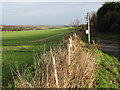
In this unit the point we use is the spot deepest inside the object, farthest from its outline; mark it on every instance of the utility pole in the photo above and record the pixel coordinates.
(88, 16)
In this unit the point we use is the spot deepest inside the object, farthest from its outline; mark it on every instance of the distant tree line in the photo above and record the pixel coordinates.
(75, 24)
(11, 28)
(25, 27)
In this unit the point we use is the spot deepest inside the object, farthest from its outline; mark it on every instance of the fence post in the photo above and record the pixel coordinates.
(55, 71)
(47, 76)
(69, 46)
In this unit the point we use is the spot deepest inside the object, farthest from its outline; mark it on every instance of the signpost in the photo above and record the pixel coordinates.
(88, 31)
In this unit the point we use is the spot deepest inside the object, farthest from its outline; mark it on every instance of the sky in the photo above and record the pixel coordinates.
(56, 0)
(46, 13)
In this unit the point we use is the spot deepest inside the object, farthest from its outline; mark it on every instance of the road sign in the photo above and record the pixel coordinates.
(86, 31)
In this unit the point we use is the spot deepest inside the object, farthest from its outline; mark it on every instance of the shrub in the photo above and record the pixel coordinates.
(108, 18)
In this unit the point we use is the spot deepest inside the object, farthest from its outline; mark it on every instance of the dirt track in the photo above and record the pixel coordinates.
(109, 46)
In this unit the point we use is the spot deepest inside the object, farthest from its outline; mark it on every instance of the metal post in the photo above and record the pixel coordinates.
(88, 27)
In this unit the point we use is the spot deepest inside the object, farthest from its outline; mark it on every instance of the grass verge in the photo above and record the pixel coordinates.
(113, 37)
(108, 70)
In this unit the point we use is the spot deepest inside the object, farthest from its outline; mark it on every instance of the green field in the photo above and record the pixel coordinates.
(18, 47)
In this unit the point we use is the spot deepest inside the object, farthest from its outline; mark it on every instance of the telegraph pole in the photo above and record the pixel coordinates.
(88, 16)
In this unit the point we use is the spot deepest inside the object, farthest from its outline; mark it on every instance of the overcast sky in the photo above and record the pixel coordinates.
(46, 13)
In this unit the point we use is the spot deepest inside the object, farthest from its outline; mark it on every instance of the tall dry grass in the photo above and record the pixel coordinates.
(68, 65)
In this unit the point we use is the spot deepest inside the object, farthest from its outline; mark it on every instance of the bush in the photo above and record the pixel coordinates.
(108, 20)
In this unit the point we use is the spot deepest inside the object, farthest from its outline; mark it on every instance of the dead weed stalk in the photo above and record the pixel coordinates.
(68, 65)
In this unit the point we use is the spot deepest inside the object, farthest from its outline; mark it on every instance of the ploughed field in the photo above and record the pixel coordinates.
(18, 47)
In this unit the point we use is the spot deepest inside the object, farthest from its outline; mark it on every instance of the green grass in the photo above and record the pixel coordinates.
(22, 37)
(13, 42)
(114, 37)
(108, 66)
(108, 70)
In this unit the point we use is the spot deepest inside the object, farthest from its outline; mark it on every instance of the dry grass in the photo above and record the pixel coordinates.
(23, 47)
(74, 67)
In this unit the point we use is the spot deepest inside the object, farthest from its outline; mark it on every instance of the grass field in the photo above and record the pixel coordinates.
(105, 73)
(18, 48)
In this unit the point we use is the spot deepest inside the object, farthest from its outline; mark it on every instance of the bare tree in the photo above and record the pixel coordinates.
(76, 24)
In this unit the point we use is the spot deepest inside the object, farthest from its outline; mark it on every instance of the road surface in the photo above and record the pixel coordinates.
(109, 46)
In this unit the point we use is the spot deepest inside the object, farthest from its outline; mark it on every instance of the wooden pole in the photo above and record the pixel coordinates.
(88, 27)
(55, 71)
(69, 46)
(47, 76)
(68, 54)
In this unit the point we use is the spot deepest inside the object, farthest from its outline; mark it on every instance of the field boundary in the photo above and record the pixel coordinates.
(51, 37)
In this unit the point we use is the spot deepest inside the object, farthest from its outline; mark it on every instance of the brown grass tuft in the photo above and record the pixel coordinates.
(76, 73)
(23, 47)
